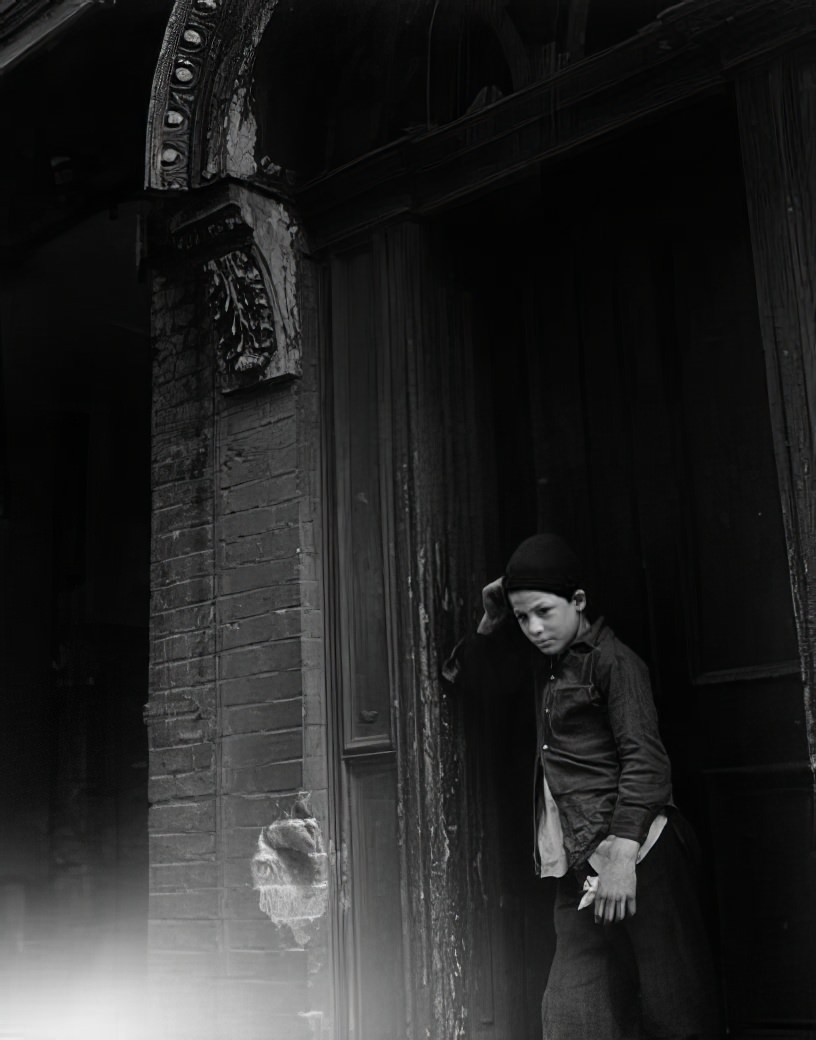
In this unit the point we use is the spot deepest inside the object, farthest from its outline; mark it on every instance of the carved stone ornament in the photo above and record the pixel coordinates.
(213, 233)
(243, 319)
(207, 51)
(252, 344)
(189, 41)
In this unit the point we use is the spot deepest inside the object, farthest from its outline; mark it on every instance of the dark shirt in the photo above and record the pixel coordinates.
(598, 739)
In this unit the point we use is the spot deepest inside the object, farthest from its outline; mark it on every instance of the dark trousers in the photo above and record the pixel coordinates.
(650, 976)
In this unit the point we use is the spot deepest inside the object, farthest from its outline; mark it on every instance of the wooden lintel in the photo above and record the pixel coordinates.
(32, 25)
(694, 49)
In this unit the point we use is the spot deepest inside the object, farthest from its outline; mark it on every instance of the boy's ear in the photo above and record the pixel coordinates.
(579, 599)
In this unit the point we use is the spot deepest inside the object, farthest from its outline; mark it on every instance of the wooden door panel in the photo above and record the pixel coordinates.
(362, 606)
(369, 911)
(752, 723)
(763, 887)
(406, 479)
(618, 589)
(731, 698)
(742, 605)
(378, 1013)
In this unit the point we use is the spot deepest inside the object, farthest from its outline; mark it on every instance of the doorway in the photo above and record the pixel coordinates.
(585, 354)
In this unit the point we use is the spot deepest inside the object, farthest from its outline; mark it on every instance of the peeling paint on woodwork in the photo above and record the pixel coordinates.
(242, 136)
(204, 74)
(449, 1013)
(278, 238)
(314, 1022)
(290, 871)
(779, 164)
(240, 157)
(345, 880)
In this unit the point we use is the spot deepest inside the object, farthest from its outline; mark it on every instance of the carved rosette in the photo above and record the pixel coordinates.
(245, 304)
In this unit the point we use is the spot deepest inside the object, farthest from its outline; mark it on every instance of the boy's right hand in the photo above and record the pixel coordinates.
(496, 609)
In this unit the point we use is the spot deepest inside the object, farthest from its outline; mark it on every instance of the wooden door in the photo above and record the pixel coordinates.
(370, 983)
(432, 922)
(652, 450)
(707, 536)
(609, 385)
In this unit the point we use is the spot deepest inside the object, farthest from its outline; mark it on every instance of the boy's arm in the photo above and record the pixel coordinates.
(493, 650)
(644, 786)
(496, 608)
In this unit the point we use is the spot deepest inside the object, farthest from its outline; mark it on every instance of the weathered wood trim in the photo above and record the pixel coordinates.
(415, 768)
(750, 673)
(439, 516)
(388, 462)
(575, 35)
(694, 49)
(205, 66)
(338, 863)
(31, 25)
(757, 773)
(777, 115)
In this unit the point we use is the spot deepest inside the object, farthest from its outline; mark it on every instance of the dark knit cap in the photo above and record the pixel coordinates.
(545, 563)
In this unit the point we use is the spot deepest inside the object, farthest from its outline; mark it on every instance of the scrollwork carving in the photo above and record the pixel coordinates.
(243, 318)
(254, 343)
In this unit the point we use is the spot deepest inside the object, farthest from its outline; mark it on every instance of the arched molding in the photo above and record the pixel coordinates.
(199, 102)
(200, 132)
(201, 123)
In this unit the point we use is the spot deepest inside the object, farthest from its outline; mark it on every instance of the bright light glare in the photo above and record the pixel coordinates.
(78, 995)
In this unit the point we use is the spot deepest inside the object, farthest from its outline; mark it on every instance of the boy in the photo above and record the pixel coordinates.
(636, 963)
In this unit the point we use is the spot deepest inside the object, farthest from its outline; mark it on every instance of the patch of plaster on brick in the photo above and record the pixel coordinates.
(290, 872)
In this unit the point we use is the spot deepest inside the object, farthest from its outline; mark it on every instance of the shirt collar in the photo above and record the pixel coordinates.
(589, 640)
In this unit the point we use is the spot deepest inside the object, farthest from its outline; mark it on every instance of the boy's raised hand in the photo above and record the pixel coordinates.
(495, 605)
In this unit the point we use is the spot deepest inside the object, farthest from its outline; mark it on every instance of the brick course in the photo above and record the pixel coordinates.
(235, 713)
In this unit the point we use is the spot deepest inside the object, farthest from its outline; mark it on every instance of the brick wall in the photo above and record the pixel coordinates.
(235, 716)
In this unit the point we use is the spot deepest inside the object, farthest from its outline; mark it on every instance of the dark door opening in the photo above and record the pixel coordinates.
(620, 351)
(586, 346)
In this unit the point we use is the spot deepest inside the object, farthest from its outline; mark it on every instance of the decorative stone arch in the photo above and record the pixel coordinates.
(201, 124)
(208, 43)
(202, 132)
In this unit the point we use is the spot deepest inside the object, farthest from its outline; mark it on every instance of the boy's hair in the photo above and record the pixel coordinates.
(544, 563)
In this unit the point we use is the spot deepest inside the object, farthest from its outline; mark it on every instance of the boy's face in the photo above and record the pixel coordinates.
(550, 622)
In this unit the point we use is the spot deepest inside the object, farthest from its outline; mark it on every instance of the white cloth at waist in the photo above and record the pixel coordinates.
(550, 836)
